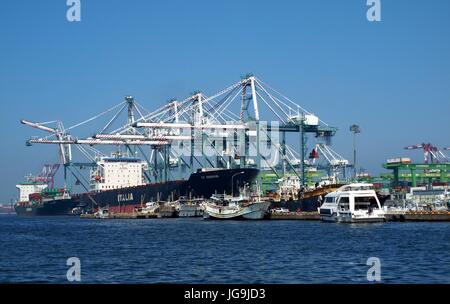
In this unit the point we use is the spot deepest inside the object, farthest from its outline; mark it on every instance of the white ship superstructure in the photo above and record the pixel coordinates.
(117, 172)
(29, 187)
(288, 187)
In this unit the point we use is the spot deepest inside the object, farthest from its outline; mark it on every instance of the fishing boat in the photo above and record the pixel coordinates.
(293, 196)
(242, 207)
(353, 203)
(190, 207)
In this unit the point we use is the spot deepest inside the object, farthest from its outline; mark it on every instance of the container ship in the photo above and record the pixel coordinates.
(117, 183)
(36, 198)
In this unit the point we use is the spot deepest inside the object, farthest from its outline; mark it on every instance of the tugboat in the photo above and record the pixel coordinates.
(353, 203)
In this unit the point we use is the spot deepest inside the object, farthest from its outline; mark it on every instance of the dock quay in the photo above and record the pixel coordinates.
(391, 216)
(167, 212)
(134, 215)
(305, 216)
(418, 216)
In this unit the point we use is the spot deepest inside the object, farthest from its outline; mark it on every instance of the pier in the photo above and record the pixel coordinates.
(393, 216)
(305, 216)
(409, 216)
(133, 215)
(419, 216)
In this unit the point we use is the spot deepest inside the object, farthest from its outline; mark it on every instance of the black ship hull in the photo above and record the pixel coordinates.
(303, 205)
(201, 184)
(48, 208)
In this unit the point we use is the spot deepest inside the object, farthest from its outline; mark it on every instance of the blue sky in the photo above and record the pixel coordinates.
(392, 77)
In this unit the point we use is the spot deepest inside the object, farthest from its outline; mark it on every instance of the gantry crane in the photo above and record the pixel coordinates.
(336, 164)
(210, 126)
(47, 174)
(431, 153)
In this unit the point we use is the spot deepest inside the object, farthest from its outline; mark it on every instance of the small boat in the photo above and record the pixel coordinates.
(295, 197)
(167, 210)
(190, 207)
(280, 210)
(150, 208)
(102, 214)
(235, 208)
(353, 203)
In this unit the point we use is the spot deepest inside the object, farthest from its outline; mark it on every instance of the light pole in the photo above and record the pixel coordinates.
(355, 129)
(242, 172)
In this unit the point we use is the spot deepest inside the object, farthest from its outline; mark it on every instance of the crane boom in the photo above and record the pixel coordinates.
(431, 153)
(414, 147)
(64, 151)
(159, 125)
(97, 142)
(332, 157)
(38, 126)
(141, 137)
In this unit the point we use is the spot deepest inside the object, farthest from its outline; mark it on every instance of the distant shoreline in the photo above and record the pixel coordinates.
(6, 209)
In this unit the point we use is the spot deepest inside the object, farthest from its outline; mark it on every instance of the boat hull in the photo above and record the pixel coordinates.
(306, 205)
(362, 220)
(254, 211)
(327, 215)
(205, 184)
(308, 201)
(352, 218)
(190, 211)
(48, 208)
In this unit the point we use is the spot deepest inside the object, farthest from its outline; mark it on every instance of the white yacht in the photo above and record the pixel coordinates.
(353, 203)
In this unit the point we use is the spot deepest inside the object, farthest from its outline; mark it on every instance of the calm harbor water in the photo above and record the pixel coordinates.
(35, 249)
